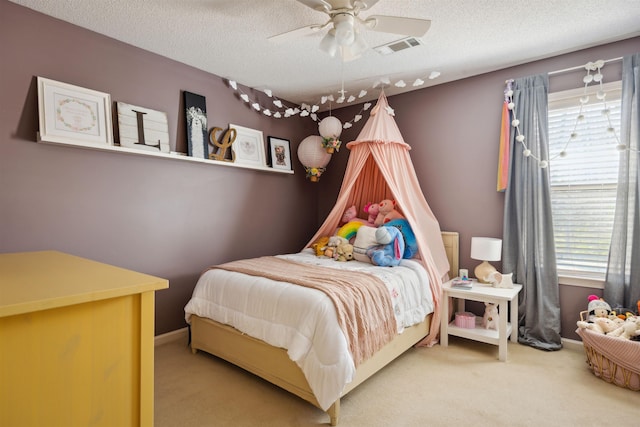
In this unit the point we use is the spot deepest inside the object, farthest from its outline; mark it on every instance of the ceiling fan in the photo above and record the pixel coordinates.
(345, 26)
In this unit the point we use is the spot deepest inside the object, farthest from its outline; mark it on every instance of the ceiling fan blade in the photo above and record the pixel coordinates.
(297, 33)
(320, 5)
(398, 25)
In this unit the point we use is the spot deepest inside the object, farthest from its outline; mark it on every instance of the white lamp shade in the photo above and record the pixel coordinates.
(312, 154)
(330, 127)
(486, 248)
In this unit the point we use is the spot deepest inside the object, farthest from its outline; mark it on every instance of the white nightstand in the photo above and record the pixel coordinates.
(483, 293)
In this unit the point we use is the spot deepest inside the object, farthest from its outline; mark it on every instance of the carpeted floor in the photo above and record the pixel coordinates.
(462, 384)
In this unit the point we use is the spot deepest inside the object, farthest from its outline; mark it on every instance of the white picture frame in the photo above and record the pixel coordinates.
(71, 114)
(248, 146)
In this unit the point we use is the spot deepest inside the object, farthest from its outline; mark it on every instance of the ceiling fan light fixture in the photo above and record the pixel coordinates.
(344, 28)
(328, 44)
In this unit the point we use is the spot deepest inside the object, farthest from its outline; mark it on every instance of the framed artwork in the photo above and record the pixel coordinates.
(279, 153)
(72, 114)
(195, 107)
(142, 128)
(248, 146)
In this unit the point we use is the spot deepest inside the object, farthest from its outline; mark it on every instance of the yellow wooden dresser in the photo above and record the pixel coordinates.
(76, 342)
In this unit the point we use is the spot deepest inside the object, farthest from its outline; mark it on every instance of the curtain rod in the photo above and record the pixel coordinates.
(581, 67)
(567, 70)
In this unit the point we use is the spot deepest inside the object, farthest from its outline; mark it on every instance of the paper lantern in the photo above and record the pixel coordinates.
(330, 129)
(313, 156)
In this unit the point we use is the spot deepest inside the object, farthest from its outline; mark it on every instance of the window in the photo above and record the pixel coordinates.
(583, 183)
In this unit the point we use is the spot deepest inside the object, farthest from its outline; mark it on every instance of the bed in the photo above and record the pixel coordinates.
(269, 351)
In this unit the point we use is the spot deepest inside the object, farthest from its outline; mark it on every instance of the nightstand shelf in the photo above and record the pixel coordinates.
(484, 293)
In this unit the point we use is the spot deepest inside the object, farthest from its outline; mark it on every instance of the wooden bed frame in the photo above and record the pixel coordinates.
(274, 365)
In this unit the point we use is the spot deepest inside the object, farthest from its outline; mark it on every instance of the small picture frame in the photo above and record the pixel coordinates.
(142, 128)
(73, 114)
(248, 146)
(195, 107)
(279, 153)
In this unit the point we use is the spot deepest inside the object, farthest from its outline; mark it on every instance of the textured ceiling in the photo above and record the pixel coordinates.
(229, 38)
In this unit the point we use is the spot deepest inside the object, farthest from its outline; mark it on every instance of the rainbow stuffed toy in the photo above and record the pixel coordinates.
(349, 230)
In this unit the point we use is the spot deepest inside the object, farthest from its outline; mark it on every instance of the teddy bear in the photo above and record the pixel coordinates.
(371, 209)
(390, 248)
(332, 244)
(386, 212)
(344, 252)
(320, 245)
(491, 318)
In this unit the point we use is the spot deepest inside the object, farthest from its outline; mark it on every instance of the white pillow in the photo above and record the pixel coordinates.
(365, 238)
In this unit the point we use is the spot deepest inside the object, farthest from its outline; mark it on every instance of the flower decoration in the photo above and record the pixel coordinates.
(331, 144)
(314, 173)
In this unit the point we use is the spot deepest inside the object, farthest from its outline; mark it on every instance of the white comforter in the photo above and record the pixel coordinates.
(303, 320)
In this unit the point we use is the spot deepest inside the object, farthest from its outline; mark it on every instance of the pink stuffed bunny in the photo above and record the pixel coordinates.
(351, 214)
(371, 209)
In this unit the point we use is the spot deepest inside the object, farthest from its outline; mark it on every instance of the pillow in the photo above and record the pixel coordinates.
(365, 238)
(410, 243)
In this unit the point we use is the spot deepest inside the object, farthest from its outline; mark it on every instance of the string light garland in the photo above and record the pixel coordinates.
(281, 110)
(584, 100)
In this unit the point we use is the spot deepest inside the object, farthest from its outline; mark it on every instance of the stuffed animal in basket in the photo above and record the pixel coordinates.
(601, 325)
(629, 329)
(386, 212)
(344, 252)
(390, 247)
(597, 307)
(491, 318)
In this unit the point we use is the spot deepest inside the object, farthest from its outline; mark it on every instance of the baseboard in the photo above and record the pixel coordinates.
(178, 334)
(572, 344)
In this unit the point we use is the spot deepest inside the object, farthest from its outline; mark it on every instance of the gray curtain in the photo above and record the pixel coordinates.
(622, 285)
(528, 243)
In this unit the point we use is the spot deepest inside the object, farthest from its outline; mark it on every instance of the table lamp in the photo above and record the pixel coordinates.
(485, 249)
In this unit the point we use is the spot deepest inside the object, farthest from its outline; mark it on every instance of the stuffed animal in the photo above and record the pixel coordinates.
(390, 247)
(371, 209)
(410, 242)
(597, 307)
(500, 280)
(351, 214)
(491, 318)
(320, 245)
(334, 242)
(386, 212)
(601, 325)
(344, 252)
(629, 329)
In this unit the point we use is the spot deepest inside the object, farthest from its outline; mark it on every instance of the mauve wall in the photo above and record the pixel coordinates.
(167, 218)
(171, 218)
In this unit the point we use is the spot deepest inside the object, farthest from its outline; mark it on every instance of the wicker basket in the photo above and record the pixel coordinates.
(612, 359)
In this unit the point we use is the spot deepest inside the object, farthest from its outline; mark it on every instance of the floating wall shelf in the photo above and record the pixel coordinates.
(157, 154)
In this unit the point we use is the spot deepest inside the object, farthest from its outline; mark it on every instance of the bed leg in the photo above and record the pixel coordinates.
(194, 350)
(334, 413)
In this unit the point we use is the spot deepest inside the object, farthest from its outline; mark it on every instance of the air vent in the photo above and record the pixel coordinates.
(398, 45)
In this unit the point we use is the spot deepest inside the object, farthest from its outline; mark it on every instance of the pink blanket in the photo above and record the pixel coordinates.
(362, 301)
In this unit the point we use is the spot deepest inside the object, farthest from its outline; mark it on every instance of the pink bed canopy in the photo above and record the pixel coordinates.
(379, 167)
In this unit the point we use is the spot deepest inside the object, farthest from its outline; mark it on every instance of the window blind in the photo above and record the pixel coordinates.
(584, 181)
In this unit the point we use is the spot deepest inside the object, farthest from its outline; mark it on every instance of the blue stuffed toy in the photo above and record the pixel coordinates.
(390, 249)
(410, 242)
